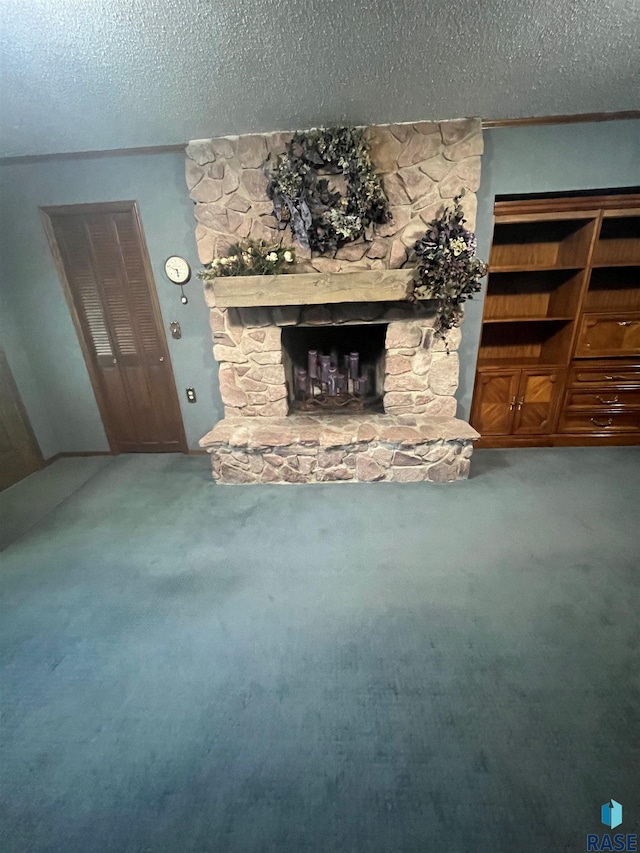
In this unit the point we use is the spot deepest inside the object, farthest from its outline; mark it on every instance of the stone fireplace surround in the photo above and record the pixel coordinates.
(418, 437)
(259, 441)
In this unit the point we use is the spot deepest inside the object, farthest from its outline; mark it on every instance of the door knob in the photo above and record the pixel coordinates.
(161, 358)
(115, 360)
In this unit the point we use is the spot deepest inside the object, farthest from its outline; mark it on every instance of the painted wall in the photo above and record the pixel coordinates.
(36, 328)
(547, 158)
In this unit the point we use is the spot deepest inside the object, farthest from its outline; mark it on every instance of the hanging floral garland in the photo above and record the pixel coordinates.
(321, 219)
(448, 269)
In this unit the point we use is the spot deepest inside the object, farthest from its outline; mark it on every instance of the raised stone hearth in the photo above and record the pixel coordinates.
(340, 448)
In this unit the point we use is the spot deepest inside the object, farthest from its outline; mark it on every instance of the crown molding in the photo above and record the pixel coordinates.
(78, 155)
(487, 124)
(578, 118)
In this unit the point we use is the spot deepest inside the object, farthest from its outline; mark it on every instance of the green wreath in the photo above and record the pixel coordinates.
(321, 219)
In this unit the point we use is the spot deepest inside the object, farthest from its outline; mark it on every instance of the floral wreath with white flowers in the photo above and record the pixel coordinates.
(321, 219)
(250, 257)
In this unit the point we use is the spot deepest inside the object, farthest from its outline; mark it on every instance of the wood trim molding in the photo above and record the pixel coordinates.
(92, 207)
(588, 203)
(487, 124)
(107, 152)
(69, 454)
(577, 118)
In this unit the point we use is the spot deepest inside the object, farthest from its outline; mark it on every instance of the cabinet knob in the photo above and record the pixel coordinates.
(512, 404)
(520, 403)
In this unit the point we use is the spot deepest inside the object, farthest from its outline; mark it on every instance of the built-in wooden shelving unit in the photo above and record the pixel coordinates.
(562, 311)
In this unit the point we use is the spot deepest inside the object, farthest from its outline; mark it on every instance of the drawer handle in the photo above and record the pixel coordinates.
(627, 322)
(614, 400)
(512, 404)
(615, 377)
(597, 422)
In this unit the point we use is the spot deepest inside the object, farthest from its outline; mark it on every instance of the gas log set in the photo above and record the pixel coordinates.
(334, 381)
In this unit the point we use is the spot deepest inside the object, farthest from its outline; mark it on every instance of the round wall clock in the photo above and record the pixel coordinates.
(177, 270)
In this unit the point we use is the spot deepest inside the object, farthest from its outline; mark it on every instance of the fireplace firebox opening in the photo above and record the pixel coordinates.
(335, 368)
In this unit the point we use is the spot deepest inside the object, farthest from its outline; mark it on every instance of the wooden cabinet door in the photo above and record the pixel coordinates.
(538, 396)
(609, 335)
(494, 401)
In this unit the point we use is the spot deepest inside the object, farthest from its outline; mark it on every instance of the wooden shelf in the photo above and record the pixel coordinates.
(494, 268)
(542, 243)
(533, 295)
(502, 363)
(618, 243)
(526, 319)
(613, 288)
(540, 343)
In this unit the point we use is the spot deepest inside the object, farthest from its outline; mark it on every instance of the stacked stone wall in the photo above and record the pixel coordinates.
(421, 376)
(422, 165)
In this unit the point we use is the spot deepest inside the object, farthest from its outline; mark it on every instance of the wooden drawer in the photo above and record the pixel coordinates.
(608, 335)
(603, 398)
(597, 423)
(604, 374)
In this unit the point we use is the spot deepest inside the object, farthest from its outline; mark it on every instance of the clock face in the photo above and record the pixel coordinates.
(177, 269)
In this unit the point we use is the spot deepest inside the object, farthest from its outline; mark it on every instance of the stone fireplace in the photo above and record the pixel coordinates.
(414, 434)
(263, 328)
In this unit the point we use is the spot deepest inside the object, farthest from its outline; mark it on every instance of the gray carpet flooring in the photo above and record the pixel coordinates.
(324, 668)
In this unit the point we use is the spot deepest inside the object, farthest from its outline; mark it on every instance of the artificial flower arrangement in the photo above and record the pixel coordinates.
(448, 269)
(251, 257)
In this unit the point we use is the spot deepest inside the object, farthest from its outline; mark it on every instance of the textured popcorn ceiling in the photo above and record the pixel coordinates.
(99, 74)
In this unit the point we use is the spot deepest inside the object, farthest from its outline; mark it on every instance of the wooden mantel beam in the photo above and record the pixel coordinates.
(310, 288)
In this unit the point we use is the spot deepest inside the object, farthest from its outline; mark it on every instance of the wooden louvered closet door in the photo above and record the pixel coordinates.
(106, 272)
